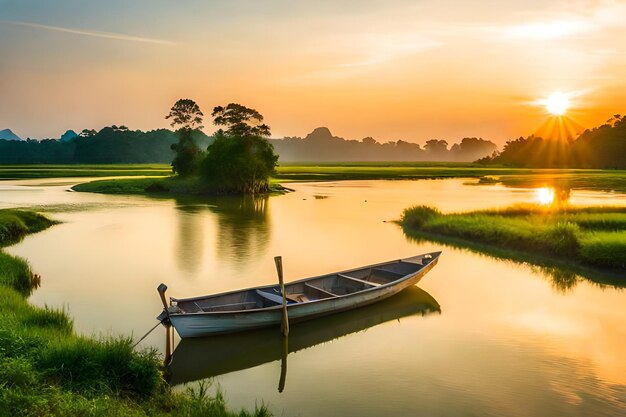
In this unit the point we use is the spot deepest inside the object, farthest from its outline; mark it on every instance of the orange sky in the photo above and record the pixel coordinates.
(388, 69)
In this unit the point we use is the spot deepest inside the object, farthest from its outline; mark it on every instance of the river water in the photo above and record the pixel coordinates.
(479, 337)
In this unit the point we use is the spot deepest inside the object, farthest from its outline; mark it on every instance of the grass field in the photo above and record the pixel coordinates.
(47, 370)
(62, 171)
(601, 180)
(157, 186)
(605, 180)
(588, 237)
(598, 180)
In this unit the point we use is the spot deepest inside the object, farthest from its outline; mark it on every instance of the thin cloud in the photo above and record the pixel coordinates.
(391, 52)
(380, 49)
(93, 33)
(555, 29)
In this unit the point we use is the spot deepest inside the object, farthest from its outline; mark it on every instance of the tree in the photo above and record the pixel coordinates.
(240, 121)
(436, 149)
(187, 117)
(87, 133)
(471, 149)
(369, 141)
(240, 159)
(239, 164)
(186, 114)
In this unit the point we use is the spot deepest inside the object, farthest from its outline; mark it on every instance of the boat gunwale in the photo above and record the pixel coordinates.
(434, 255)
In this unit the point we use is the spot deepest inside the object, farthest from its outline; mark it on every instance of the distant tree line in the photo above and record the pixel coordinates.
(321, 146)
(601, 147)
(110, 145)
(118, 144)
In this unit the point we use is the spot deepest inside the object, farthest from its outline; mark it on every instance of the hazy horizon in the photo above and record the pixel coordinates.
(389, 70)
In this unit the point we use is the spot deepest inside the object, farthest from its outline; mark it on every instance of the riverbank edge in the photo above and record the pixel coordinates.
(169, 186)
(46, 369)
(557, 243)
(565, 179)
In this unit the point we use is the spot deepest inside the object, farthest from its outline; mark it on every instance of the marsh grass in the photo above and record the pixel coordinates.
(47, 370)
(393, 170)
(590, 179)
(93, 367)
(15, 273)
(15, 224)
(593, 237)
(174, 185)
(605, 248)
(198, 402)
(82, 170)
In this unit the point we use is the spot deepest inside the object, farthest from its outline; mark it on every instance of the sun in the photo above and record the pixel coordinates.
(556, 104)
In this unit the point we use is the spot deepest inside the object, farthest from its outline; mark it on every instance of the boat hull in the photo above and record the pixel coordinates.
(204, 324)
(236, 351)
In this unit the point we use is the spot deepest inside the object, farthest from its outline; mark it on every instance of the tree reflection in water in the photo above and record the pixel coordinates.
(190, 240)
(242, 223)
(243, 228)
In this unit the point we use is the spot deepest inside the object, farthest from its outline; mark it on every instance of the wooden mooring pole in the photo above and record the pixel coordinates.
(284, 328)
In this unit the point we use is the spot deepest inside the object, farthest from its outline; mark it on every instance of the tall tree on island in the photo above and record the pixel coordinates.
(186, 118)
(241, 159)
(239, 121)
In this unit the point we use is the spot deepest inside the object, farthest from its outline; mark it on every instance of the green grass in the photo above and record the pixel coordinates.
(15, 224)
(172, 185)
(604, 180)
(601, 180)
(47, 370)
(587, 179)
(78, 170)
(16, 274)
(378, 171)
(588, 237)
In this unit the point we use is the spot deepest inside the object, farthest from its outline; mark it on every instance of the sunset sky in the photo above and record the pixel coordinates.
(410, 70)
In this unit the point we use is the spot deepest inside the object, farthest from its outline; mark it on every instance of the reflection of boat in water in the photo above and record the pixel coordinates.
(307, 298)
(200, 358)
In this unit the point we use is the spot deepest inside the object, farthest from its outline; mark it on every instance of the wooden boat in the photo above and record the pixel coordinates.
(236, 351)
(306, 298)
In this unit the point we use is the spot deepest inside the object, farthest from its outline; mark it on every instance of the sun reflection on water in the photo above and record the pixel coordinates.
(544, 195)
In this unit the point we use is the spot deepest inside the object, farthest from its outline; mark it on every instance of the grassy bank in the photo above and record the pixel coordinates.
(589, 237)
(46, 369)
(95, 170)
(394, 170)
(172, 185)
(600, 180)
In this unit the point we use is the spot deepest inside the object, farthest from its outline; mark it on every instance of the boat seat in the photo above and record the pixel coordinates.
(319, 291)
(362, 281)
(246, 305)
(277, 297)
(298, 298)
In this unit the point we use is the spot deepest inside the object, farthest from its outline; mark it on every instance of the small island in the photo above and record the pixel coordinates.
(583, 237)
(239, 160)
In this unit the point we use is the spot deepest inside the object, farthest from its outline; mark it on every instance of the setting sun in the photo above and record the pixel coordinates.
(556, 104)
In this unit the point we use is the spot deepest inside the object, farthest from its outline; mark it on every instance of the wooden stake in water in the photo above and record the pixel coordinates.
(279, 268)
(283, 365)
(161, 289)
(168, 346)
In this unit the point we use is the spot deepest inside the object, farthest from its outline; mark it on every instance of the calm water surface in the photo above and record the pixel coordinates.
(478, 337)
